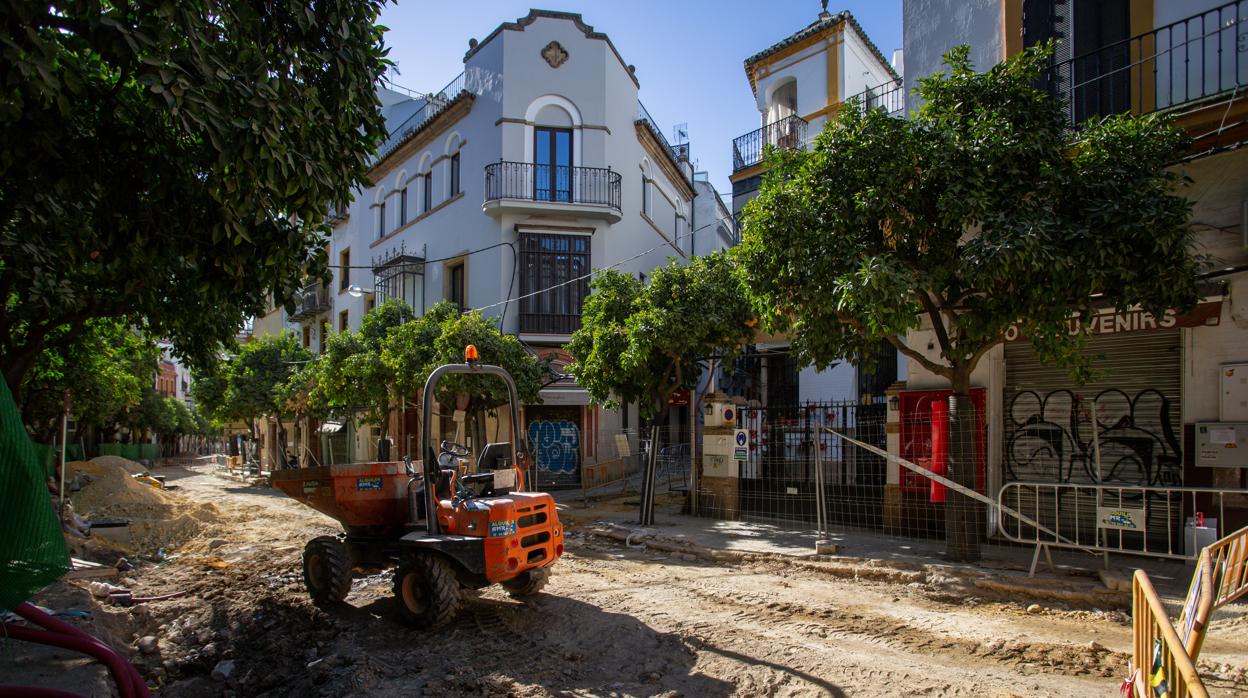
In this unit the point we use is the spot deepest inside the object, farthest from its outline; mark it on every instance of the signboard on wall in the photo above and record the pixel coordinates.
(1205, 314)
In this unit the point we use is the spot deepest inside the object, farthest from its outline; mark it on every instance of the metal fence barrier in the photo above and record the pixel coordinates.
(797, 473)
(1160, 666)
(1137, 520)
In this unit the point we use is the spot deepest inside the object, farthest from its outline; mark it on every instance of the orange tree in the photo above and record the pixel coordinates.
(981, 211)
(641, 343)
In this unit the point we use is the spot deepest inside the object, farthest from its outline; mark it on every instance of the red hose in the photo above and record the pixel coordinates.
(64, 635)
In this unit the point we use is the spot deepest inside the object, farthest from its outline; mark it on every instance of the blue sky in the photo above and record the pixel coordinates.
(688, 53)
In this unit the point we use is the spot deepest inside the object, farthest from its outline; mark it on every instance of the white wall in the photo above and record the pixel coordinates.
(932, 27)
(837, 383)
(860, 68)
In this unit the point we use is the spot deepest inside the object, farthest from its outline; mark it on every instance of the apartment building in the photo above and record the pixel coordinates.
(1162, 379)
(501, 192)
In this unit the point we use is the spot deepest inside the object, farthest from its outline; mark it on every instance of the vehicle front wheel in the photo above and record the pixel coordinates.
(326, 570)
(527, 583)
(426, 590)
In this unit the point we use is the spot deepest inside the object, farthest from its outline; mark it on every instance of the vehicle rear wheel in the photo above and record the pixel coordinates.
(426, 590)
(528, 583)
(326, 570)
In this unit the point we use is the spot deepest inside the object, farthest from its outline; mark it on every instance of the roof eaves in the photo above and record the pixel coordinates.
(813, 29)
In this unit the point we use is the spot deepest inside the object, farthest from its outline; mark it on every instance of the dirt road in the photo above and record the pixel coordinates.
(614, 621)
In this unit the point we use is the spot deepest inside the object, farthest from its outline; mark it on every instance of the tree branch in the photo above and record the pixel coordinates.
(938, 325)
(938, 369)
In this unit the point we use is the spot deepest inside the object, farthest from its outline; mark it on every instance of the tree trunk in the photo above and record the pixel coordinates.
(962, 513)
(647, 478)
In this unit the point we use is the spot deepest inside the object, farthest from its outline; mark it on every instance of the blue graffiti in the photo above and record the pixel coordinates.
(555, 444)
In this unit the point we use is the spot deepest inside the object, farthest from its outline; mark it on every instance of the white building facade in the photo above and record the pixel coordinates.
(502, 192)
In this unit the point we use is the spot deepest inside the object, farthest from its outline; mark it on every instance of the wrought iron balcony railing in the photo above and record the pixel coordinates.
(435, 102)
(788, 133)
(889, 96)
(1183, 63)
(555, 183)
(313, 301)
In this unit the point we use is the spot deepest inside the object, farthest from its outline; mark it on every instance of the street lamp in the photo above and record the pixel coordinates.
(355, 291)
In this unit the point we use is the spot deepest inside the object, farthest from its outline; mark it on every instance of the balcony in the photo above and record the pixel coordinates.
(524, 187)
(1184, 67)
(788, 133)
(313, 300)
(890, 96)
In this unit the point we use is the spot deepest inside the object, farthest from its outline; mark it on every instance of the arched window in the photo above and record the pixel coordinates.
(454, 143)
(381, 212)
(400, 185)
(426, 182)
(782, 101)
(647, 189)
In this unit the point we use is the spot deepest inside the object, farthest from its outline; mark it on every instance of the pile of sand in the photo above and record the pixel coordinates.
(119, 462)
(158, 519)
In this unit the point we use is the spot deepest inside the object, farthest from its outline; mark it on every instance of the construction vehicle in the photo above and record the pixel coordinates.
(485, 529)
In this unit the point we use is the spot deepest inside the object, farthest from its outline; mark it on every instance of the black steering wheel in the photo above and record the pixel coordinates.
(454, 449)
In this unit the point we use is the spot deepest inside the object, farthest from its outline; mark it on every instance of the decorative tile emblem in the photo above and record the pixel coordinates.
(555, 54)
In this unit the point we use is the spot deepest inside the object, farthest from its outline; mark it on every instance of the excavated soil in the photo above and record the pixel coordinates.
(615, 620)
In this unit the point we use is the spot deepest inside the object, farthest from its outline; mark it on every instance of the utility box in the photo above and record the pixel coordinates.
(1222, 444)
(1234, 395)
(719, 412)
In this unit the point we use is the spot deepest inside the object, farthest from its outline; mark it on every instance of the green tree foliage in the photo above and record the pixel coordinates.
(412, 351)
(254, 382)
(642, 343)
(169, 163)
(983, 211)
(106, 372)
(349, 376)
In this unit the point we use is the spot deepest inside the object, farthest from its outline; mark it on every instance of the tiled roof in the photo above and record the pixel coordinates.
(811, 30)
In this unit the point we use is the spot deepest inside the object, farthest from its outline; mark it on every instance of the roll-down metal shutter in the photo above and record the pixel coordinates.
(1136, 393)
(1048, 433)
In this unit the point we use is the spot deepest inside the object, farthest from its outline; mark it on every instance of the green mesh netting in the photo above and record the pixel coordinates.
(32, 548)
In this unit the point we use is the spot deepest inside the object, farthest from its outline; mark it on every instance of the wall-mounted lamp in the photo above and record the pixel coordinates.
(356, 292)
(894, 403)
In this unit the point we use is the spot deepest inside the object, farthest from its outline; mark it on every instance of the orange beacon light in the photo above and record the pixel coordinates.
(470, 353)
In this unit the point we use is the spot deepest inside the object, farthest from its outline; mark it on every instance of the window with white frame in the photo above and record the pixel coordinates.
(426, 197)
(381, 219)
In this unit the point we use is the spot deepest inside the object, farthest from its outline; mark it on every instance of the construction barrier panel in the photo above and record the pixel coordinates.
(1161, 667)
(1229, 558)
(32, 547)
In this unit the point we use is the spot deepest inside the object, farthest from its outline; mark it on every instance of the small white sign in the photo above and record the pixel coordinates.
(1120, 519)
(1222, 435)
(622, 449)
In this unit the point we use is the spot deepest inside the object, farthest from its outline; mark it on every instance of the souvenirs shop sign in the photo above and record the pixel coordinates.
(1136, 320)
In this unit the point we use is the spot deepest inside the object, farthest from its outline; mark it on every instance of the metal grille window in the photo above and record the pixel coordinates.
(401, 276)
(553, 268)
